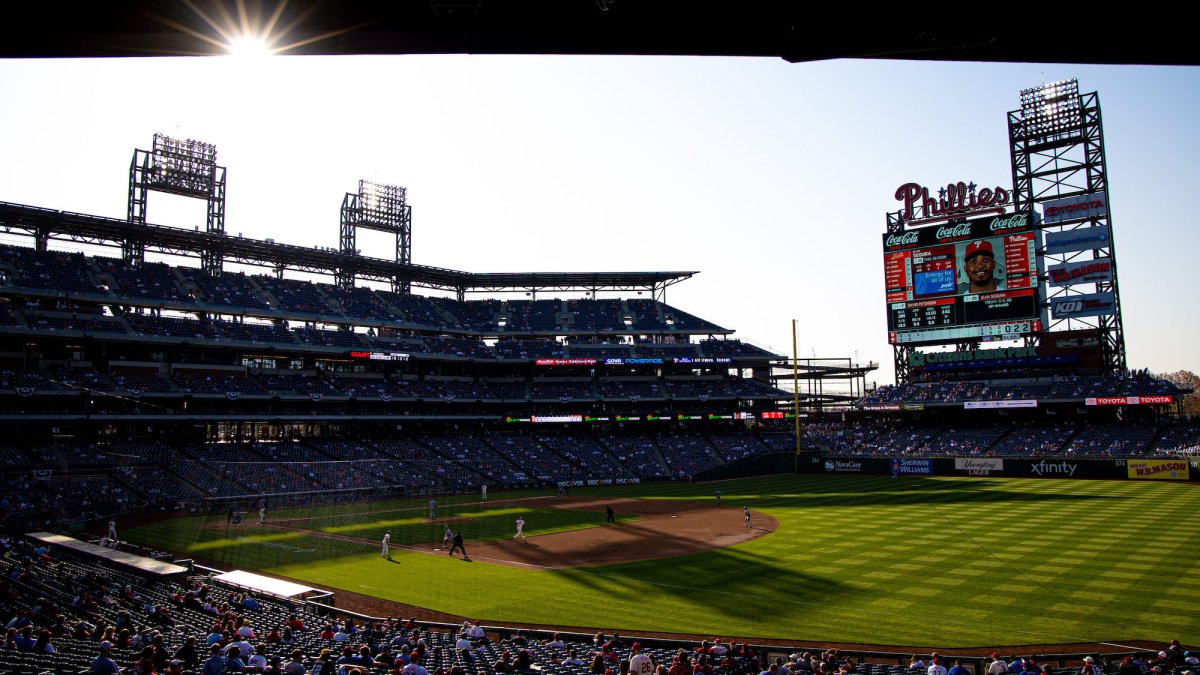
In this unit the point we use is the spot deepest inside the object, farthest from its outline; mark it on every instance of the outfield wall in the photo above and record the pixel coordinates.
(1173, 469)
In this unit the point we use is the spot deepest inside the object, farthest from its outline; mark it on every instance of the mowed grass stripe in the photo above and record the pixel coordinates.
(922, 560)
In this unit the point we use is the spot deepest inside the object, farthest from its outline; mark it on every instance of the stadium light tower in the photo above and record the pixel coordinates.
(1056, 143)
(383, 208)
(187, 168)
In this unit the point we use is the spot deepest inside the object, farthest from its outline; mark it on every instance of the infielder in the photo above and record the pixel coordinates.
(718, 497)
(447, 536)
(432, 509)
(112, 530)
(746, 513)
(387, 539)
(520, 529)
(483, 492)
(262, 514)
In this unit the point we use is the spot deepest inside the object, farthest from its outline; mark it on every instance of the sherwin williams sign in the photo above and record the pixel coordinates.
(1158, 469)
(923, 467)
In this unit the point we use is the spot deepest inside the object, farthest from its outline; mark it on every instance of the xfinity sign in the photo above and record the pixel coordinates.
(1044, 468)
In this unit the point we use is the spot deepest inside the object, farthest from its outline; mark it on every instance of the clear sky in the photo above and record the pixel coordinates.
(771, 179)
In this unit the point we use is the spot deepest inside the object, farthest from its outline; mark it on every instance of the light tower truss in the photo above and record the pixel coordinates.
(187, 168)
(1056, 144)
(382, 208)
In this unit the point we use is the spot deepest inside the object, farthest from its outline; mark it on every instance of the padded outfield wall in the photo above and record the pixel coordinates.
(1172, 469)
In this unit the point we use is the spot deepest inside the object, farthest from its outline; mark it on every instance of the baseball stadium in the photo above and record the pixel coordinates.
(227, 453)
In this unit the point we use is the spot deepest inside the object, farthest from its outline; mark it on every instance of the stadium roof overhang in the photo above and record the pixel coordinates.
(101, 231)
(683, 27)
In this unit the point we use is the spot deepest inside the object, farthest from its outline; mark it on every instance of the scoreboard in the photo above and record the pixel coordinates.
(977, 279)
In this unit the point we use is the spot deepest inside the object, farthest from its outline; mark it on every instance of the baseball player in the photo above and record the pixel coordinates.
(112, 530)
(387, 539)
(483, 492)
(718, 497)
(746, 513)
(447, 536)
(432, 509)
(520, 529)
(262, 514)
(609, 516)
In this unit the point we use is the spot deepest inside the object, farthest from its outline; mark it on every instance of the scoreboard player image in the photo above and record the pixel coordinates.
(979, 269)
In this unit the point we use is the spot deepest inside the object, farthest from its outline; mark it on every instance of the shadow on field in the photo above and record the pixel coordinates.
(720, 582)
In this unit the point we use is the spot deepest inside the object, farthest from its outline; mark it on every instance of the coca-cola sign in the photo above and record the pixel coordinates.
(906, 239)
(955, 232)
(956, 200)
(986, 227)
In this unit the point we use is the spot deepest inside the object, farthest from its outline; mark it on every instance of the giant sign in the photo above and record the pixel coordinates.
(956, 200)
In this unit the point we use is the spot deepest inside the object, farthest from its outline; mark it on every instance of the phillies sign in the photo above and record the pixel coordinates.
(956, 200)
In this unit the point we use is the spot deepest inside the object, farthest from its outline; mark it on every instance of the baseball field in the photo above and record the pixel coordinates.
(924, 561)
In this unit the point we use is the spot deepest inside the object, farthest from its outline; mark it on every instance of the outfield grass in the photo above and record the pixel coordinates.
(945, 562)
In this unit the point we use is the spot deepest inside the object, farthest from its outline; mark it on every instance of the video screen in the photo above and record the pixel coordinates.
(976, 279)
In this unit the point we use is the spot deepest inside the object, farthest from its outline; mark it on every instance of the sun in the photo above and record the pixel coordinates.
(249, 47)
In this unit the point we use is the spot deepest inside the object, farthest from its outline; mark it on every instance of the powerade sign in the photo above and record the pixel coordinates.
(1084, 304)
(1079, 207)
(906, 465)
(1083, 239)
(615, 361)
(841, 466)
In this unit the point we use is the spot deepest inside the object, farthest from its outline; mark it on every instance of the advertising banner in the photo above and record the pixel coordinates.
(1129, 400)
(1084, 304)
(979, 466)
(843, 466)
(1085, 272)
(1083, 239)
(915, 466)
(992, 405)
(1158, 469)
(1079, 207)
